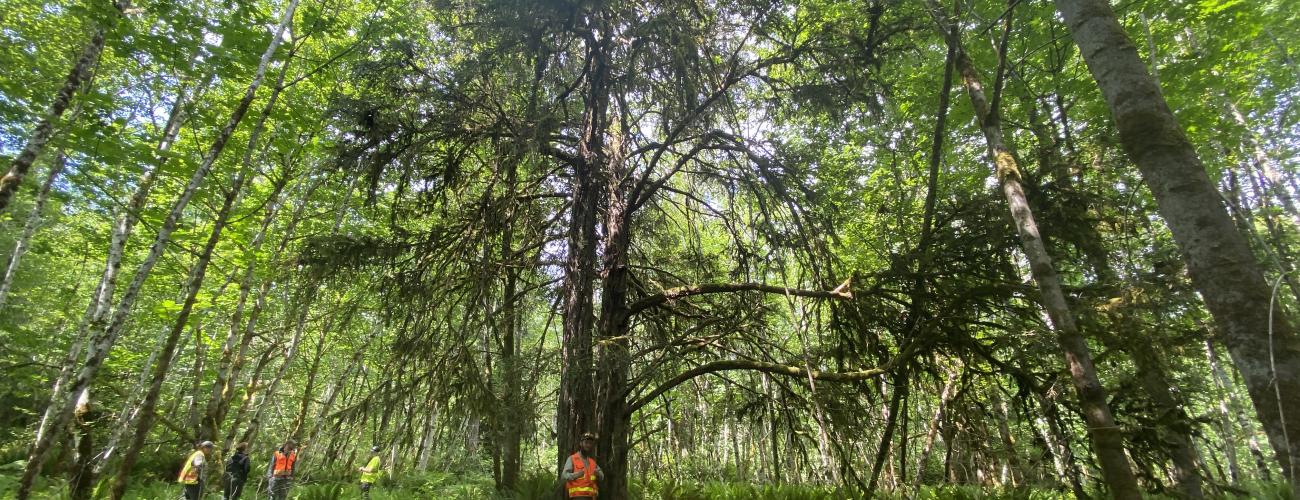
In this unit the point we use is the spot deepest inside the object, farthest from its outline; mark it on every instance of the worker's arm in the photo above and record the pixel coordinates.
(568, 473)
(600, 474)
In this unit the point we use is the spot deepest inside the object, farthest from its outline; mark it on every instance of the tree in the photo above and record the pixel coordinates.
(1263, 345)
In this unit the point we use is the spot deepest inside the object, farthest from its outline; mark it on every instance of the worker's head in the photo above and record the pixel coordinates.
(587, 443)
(241, 447)
(290, 445)
(206, 446)
(374, 449)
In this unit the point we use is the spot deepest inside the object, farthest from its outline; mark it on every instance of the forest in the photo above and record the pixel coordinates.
(727, 249)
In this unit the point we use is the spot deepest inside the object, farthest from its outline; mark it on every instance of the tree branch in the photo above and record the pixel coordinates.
(840, 292)
(742, 364)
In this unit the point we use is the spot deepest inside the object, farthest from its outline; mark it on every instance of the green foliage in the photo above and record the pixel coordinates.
(422, 159)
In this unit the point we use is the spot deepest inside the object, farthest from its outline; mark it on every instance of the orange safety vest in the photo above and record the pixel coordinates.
(284, 464)
(189, 473)
(584, 485)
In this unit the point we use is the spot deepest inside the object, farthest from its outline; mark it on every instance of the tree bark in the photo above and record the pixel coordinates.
(887, 436)
(29, 227)
(1223, 269)
(577, 364)
(924, 459)
(1107, 441)
(101, 297)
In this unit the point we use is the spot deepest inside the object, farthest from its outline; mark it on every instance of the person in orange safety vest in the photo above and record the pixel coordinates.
(581, 473)
(279, 474)
(193, 471)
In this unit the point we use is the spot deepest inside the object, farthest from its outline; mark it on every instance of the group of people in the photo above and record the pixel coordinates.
(279, 471)
(581, 474)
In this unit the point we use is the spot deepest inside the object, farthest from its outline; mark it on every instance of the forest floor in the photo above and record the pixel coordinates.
(446, 486)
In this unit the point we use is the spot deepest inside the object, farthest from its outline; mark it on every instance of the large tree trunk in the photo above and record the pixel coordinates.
(575, 413)
(1108, 442)
(1223, 269)
(103, 341)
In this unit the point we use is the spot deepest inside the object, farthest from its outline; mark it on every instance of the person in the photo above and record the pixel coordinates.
(192, 472)
(236, 473)
(581, 472)
(370, 473)
(279, 475)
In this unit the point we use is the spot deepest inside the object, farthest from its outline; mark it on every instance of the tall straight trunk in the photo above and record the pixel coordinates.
(163, 366)
(290, 353)
(511, 430)
(1015, 475)
(887, 436)
(574, 412)
(1228, 405)
(249, 394)
(935, 422)
(1108, 442)
(44, 130)
(234, 351)
(1223, 269)
(103, 341)
(131, 406)
(29, 227)
(310, 389)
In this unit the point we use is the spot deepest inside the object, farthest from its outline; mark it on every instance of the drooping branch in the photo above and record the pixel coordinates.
(840, 292)
(744, 364)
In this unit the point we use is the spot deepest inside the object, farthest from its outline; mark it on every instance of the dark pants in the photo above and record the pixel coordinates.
(233, 488)
(193, 491)
(280, 487)
(365, 490)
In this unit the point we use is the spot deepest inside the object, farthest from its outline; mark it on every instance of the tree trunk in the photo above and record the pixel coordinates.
(104, 340)
(44, 130)
(1228, 404)
(163, 366)
(575, 412)
(1175, 422)
(242, 329)
(1223, 269)
(924, 459)
(101, 298)
(29, 227)
(887, 436)
(249, 393)
(305, 301)
(1108, 443)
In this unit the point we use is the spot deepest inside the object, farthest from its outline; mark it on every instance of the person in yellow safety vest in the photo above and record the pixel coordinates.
(581, 472)
(193, 471)
(370, 473)
(279, 473)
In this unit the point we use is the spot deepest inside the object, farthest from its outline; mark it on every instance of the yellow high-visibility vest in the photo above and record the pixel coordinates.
(370, 474)
(189, 473)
